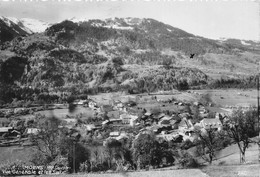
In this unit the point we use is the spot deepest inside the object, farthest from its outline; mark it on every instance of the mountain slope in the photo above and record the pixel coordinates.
(138, 55)
(30, 25)
(9, 30)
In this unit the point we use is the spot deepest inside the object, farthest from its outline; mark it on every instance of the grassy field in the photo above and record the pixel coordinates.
(230, 155)
(221, 97)
(231, 96)
(61, 113)
(233, 170)
(13, 153)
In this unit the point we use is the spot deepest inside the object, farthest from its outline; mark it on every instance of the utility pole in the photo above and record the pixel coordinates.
(258, 118)
(74, 157)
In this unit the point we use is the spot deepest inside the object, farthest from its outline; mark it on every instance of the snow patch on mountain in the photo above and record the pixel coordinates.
(36, 26)
(133, 21)
(20, 24)
(244, 43)
(77, 20)
(119, 27)
(28, 25)
(6, 20)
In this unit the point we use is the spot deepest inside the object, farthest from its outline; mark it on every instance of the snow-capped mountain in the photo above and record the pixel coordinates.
(9, 29)
(27, 24)
(115, 23)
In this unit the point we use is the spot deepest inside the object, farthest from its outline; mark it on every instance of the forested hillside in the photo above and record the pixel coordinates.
(135, 55)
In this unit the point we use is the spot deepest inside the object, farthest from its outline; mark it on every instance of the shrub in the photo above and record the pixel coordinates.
(222, 163)
(187, 161)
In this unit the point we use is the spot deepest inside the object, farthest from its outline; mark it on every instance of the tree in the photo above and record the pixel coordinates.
(208, 143)
(206, 99)
(119, 153)
(146, 150)
(167, 62)
(48, 140)
(114, 151)
(241, 128)
(81, 155)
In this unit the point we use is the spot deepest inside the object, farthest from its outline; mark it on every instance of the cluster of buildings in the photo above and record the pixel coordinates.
(121, 115)
(175, 127)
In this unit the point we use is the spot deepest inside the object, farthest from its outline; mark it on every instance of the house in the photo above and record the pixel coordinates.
(129, 119)
(168, 137)
(106, 108)
(208, 123)
(92, 104)
(33, 131)
(113, 122)
(197, 103)
(166, 120)
(80, 102)
(4, 122)
(118, 105)
(188, 136)
(185, 115)
(158, 128)
(5, 130)
(113, 114)
(148, 114)
(185, 125)
(70, 121)
(202, 110)
(180, 104)
(89, 127)
(159, 116)
(114, 134)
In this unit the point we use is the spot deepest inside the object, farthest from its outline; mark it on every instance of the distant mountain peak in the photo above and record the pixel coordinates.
(27, 24)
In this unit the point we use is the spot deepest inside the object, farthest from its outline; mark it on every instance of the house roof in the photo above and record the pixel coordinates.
(211, 123)
(166, 122)
(5, 129)
(105, 122)
(114, 133)
(166, 118)
(124, 116)
(176, 117)
(185, 114)
(148, 114)
(159, 116)
(185, 123)
(114, 114)
(70, 120)
(107, 108)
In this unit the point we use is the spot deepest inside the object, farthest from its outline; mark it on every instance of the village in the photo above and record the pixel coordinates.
(169, 119)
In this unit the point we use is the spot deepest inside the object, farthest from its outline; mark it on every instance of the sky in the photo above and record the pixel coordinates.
(210, 19)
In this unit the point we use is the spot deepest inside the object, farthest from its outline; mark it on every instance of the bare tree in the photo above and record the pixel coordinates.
(208, 143)
(241, 128)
